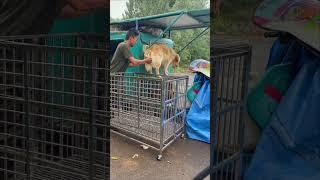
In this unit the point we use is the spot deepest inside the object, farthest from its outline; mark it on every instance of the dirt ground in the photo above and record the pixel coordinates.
(184, 158)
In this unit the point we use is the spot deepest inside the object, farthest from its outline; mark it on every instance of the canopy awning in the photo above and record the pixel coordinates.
(174, 20)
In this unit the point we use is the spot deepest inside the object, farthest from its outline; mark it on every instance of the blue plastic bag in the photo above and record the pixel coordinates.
(198, 117)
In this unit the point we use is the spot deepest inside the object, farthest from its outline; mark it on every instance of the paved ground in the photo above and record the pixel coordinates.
(185, 158)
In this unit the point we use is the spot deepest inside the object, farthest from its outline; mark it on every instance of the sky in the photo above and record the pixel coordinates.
(118, 7)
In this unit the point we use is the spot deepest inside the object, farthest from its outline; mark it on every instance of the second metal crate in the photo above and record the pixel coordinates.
(230, 67)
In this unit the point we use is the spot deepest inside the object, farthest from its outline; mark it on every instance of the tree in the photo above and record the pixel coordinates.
(140, 8)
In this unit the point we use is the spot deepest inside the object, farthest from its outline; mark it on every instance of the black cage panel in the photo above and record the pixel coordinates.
(53, 107)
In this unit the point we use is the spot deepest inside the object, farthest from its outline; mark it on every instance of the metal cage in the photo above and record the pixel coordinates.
(230, 62)
(53, 107)
(148, 109)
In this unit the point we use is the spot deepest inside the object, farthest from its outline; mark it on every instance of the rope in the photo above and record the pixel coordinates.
(137, 24)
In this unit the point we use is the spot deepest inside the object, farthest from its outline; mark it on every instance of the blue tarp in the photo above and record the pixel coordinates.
(289, 52)
(278, 52)
(198, 117)
(290, 146)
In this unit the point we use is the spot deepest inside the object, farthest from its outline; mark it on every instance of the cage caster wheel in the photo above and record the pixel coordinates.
(159, 157)
(183, 136)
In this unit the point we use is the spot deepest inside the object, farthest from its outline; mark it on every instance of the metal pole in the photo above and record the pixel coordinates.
(203, 174)
(27, 108)
(163, 115)
(246, 70)
(91, 117)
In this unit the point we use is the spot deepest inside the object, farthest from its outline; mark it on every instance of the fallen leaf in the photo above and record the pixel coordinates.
(145, 147)
(134, 156)
(114, 158)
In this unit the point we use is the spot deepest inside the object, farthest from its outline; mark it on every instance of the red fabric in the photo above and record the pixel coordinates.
(196, 91)
(273, 92)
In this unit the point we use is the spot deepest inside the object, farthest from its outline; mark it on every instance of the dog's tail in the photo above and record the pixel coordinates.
(177, 59)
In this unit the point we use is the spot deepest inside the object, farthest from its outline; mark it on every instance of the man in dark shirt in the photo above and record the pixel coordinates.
(123, 58)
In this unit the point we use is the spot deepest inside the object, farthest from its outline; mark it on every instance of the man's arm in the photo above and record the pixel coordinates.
(135, 62)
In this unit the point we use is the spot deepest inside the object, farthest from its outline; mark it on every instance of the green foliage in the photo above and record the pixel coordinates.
(313, 23)
(200, 48)
(140, 8)
(236, 21)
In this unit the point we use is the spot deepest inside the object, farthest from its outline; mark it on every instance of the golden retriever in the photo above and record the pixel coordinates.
(162, 56)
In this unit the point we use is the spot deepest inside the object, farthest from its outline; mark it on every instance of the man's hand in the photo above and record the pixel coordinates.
(79, 7)
(148, 60)
(135, 62)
